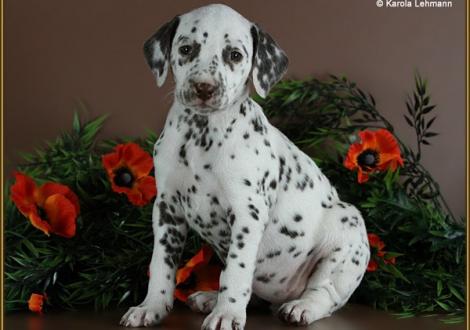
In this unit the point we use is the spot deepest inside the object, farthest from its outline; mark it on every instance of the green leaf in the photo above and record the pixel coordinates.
(457, 294)
(430, 134)
(443, 305)
(439, 287)
(31, 247)
(408, 120)
(428, 109)
(76, 123)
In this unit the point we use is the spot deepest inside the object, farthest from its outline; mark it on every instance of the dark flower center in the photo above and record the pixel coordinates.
(368, 159)
(42, 213)
(123, 177)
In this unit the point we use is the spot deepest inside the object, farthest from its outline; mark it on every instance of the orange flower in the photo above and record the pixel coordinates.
(376, 243)
(52, 207)
(128, 169)
(197, 275)
(36, 301)
(377, 151)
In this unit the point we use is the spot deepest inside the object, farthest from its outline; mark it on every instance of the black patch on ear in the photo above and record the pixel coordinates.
(268, 58)
(164, 36)
(254, 37)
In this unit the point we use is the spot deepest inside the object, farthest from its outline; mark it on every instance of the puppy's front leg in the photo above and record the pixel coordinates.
(247, 223)
(169, 238)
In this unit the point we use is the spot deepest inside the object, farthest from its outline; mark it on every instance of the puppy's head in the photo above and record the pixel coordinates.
(212, 51)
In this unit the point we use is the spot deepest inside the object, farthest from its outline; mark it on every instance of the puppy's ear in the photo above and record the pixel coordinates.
(157, 50)
(269, 61)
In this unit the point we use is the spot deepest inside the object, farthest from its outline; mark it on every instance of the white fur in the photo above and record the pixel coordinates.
(264, 205)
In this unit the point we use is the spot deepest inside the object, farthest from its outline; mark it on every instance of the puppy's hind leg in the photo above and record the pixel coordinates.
(336, 275)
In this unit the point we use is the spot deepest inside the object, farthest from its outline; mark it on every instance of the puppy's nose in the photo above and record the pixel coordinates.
(204, 90)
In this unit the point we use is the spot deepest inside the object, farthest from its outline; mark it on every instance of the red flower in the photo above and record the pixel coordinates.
(197, 275)
(52, 207)
(36, 301)
(377, 244)
(128, 169)
(377, 151)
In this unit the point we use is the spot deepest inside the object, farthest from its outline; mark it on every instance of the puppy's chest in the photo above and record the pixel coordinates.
(200, 201)
(188, 161)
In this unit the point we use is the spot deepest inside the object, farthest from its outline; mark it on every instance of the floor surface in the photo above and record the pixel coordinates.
(351, 317)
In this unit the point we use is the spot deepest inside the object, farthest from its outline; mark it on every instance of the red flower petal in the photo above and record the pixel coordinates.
(39, 223)
(201, 258)
(372, 266)
(350, 162)
(35, 302)
(147, 187)
(22, 193)
(375, 241)
(368, 140)
(58, 201)
(131, 156)
(206, 276)
(138, 161)
(386, 142)
(111, 161)
(362, 176)
(141, 193)
(51, 188)
(383, 143)
(61, 214)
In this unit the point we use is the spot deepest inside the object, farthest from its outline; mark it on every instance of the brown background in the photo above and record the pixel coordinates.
(58, 52)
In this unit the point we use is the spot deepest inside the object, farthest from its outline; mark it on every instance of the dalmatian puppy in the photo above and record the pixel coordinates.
(224, 171)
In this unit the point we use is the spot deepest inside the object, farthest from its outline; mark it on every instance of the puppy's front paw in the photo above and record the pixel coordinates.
(144, 316)
(297, 312)
(225, 319)
(202, 301)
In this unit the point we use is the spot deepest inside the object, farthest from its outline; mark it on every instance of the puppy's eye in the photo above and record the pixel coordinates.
(185, 50)
(235, 56)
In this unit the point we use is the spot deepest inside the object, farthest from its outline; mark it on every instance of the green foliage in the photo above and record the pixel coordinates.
(105, 264)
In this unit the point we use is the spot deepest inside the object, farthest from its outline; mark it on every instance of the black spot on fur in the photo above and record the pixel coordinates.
(297, 218)
(291, 233)
(263, 279)
(243, 109)
(272, 184)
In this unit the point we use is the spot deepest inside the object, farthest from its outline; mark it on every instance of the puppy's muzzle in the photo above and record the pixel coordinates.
(204, 91)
